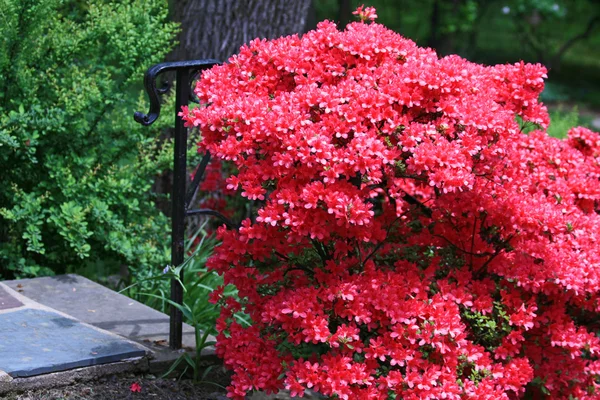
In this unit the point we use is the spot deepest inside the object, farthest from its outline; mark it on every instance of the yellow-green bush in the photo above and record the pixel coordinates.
(76, 170)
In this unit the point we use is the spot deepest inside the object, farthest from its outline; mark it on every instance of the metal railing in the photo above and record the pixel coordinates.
(185, 74)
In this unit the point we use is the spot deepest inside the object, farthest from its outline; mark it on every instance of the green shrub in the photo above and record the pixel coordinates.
(77, 171)
(561, 121)
(198, 283)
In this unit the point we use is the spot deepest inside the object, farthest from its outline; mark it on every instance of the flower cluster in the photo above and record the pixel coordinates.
(410, 242)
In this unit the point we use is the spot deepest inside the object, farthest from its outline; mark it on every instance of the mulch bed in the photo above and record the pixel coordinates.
(119, 388)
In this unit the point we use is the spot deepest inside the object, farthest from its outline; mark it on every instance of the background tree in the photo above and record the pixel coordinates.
(536, 21)
(217, 28)
(453, 25)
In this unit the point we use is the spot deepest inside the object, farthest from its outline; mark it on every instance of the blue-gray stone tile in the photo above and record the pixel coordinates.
(34, 342)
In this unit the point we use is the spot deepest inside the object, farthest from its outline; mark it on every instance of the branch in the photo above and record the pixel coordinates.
(321, 251)
(295, 267)
(358, 253)
(278, 254)
(298, 267)
(479, 274)
(569, 43)
(470, 253)
(380, 244)
(415, 202)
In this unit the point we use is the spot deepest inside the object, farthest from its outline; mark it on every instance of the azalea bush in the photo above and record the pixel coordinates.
(412, 241)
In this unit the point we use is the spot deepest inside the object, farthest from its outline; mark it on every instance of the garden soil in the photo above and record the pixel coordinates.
(119, 388)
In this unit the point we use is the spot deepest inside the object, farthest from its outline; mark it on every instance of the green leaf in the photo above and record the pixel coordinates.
(185, 310)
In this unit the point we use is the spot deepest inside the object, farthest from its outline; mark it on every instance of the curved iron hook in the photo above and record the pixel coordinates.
(208, 211)
(165, 88)
(154, 92)
(193, 77)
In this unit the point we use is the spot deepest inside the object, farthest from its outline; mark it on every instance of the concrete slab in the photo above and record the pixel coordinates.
(7, 301)
(101, 307)
(34, 342)
(97, 305)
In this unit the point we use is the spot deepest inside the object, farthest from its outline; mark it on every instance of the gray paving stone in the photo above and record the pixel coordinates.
(34, 342)
(97, 305)
(7, 301)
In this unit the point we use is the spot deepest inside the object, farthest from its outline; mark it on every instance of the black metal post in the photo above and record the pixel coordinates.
(185, 70)
(182, 94)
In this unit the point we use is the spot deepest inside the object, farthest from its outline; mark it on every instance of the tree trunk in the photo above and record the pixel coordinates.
(344, 13)
(443, 43)
(434, 24)
(217, 28)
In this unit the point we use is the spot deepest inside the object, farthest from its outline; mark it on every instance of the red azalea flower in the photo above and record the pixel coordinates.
(136, 387)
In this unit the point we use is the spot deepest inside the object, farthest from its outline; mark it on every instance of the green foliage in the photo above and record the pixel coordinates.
(77, 171)
(561, 121)
(488, 330)
(459, 17)
(198, 283)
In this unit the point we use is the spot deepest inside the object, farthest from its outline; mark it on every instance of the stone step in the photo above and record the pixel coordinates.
(56, 330)
(36, 341)
(106, 309)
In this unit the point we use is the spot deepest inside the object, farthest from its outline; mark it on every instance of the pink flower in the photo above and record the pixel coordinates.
(136, 387)
(368, 13)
